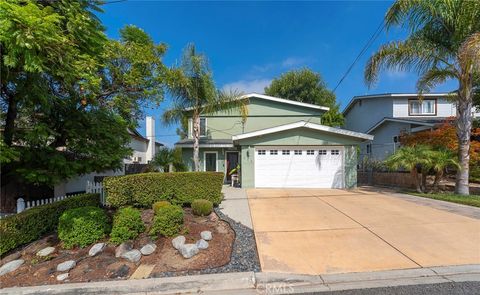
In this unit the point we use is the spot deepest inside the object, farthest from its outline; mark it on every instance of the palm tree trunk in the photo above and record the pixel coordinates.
(417, 180)
(464, 129)
(438, 177)
(196, 141)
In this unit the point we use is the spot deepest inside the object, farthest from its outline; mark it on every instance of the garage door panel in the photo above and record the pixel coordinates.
(318, 170)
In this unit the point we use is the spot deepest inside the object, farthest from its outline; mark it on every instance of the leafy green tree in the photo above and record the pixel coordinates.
(194, 93)
(169, 156)
(412, 158)
(307, 86)
(68, 94)
(443, 43)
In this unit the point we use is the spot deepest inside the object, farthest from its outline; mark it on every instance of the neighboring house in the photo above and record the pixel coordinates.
(143, 151)
(280, 144)
(387, 116)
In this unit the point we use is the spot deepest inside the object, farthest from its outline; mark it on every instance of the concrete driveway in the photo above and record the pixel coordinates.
(318, 231)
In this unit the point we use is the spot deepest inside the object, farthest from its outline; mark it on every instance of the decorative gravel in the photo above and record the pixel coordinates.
(244, 253)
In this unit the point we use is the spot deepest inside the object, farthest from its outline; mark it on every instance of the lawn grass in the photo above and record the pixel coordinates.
(472, 200)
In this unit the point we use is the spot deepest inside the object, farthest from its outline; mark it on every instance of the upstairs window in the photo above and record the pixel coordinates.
(203, 127)
(426, 107)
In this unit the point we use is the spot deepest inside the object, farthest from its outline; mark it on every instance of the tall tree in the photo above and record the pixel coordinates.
(307, 86)
(194, 92)
(68, 94)
(443, 43)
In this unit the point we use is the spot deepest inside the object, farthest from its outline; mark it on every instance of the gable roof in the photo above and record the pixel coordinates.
(408, 121)
(304, 124)
(281, 100)
(384, 95)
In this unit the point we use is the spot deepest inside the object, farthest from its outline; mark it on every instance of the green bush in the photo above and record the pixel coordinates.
(127, 224)
(168, 221)
(142, 190)
(160, 204)
(202, 207)
(82, 226)
(33, 223)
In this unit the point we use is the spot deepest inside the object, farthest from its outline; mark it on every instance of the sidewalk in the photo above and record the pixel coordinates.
(264, 283)
(235, 205)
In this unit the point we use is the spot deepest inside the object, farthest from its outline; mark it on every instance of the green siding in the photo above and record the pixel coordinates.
(262, 114)
(187, 155)
(248, 166)
(300, 136)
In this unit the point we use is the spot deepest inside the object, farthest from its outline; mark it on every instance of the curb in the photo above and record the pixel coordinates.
(264, 283)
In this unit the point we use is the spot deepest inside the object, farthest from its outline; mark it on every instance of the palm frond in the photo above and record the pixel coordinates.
(432, 78)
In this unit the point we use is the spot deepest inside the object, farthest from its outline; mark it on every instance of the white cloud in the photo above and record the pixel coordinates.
(248, 86)
(293, 61)
(396, 74)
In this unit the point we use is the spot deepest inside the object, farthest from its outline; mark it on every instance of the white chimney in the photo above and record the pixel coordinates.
(150, 130)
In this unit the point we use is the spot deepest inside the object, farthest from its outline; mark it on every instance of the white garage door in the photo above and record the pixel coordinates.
(306, 166)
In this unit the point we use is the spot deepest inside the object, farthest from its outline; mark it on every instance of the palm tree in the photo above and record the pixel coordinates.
(413, 159)
(442, 159)
(163, 158)
(193, 91)
(443, 44)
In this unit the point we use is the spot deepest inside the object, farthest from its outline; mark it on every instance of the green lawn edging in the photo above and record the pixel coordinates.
(471, 200)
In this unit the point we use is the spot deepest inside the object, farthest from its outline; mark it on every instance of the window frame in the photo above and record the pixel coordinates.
(335, 152)
(310, 152)
(261, 152)
(285, 152)
(422, 113)
(273, 152)
(297, 152)
(205, 160)
(322, 152)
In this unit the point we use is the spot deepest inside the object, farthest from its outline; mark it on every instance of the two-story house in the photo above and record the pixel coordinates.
(280, 144)
(387, 116)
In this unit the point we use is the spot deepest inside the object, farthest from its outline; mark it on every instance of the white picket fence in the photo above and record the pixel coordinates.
(96, 188)
(92, 187)
(23, 205)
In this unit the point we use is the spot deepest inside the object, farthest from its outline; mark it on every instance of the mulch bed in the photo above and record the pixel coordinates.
(167, 261)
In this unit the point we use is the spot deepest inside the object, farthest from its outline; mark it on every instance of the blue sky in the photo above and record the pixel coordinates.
(250, 43)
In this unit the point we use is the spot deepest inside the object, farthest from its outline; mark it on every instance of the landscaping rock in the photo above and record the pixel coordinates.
(46, 251)
(123, 248)
(66, 266)
(148, 249)
(11, 257)
(11, 266)
(97, 248)
(62, 277)
(132, 255)
(206, 235)
(202, 244)
(188, 250)
(117, 270)
(178, 242)
(213, 217)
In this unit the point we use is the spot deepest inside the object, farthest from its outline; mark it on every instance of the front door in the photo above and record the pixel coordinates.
(232, 162)
(210, 161)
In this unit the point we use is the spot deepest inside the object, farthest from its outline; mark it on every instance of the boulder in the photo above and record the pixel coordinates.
(11, 257)
(46, 251)
(202, 244)
(96, 249)
(148, 249)
(62, 277)
(178, 242)
(213, 217)
(132, 255)
(188, 250)
(123, 248)
(66, 266)
(206, 235)
(11, 266)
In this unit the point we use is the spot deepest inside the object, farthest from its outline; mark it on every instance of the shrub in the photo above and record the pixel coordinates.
(168, 221)
(82, 226)
(202, 207)
(142, 190)
(160, 204)
(31, 224)
(127, 224)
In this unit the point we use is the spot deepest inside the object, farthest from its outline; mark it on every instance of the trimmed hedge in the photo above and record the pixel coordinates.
(82, 226)
(127, 225)
(202, 207)
(180, 188)
(168, 221)
(33, 223)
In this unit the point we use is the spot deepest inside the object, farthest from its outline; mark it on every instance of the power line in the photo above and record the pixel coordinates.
(364, 49)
